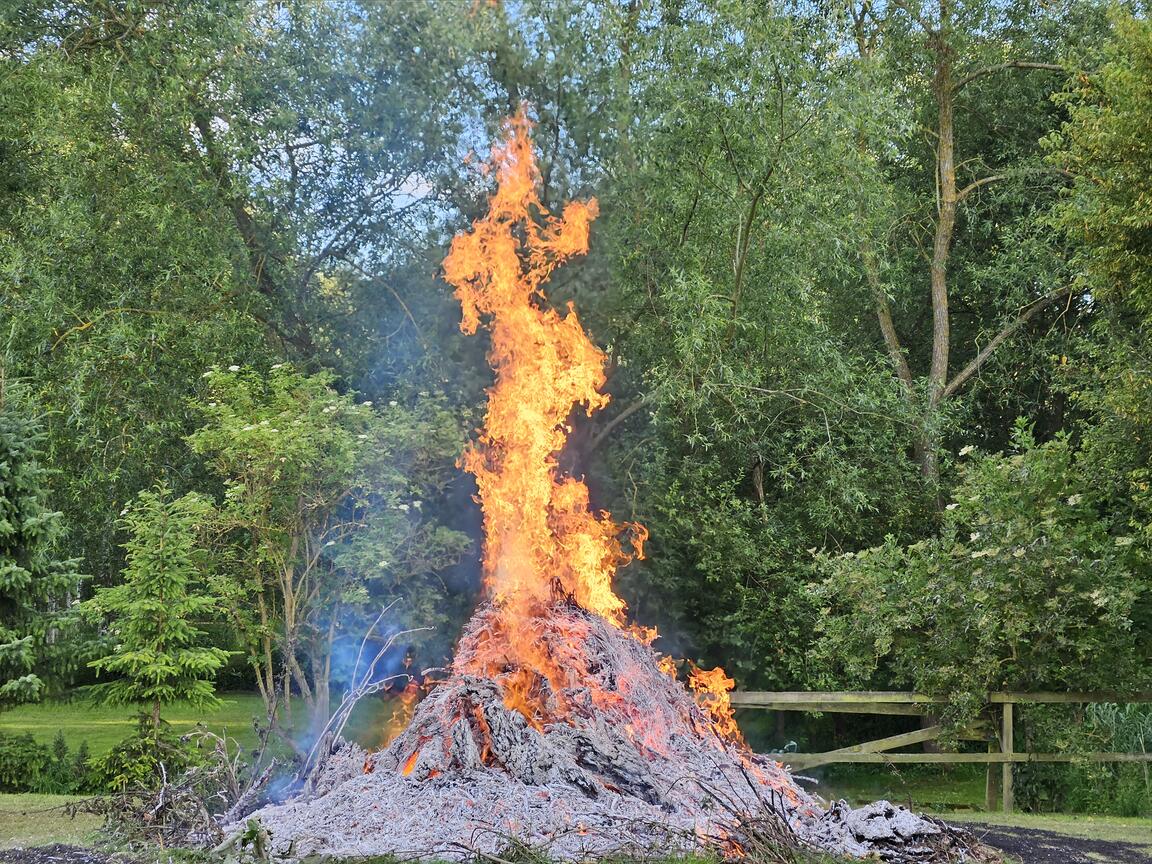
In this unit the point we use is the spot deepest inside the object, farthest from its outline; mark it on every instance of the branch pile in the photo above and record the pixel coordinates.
(619, 760)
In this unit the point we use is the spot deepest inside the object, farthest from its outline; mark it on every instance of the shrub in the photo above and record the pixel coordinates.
(23, 762)
(1101, 788)
(26, 765)
(152, 755)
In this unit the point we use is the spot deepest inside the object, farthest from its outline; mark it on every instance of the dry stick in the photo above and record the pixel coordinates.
(339, 719)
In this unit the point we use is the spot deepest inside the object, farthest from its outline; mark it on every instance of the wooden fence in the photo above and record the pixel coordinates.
(1001, 746)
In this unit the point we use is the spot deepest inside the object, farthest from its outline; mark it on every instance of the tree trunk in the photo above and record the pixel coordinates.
(947, 203)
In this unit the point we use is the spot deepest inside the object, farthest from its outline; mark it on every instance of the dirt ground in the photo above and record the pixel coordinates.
(1035, 846)
(57, 853)
(1026, 845)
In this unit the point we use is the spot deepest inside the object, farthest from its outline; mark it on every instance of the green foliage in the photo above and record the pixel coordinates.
(189, 184)
(157, 653)
(29, 766)
(150, 756)
(23, 762)
(323, 513)
(1107, 145)
(36, 583)
(1029, 586)
(1115, 789)
(769, 429)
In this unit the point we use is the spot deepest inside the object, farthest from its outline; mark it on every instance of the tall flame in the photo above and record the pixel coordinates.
(542, 538)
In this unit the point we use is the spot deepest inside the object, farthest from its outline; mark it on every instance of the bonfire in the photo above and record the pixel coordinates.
(559, 727)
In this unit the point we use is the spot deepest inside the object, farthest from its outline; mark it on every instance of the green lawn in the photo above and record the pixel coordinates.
(103, 726)
(959, 787)
(36, 820)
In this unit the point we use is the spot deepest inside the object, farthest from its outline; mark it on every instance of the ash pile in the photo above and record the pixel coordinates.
(605, 753)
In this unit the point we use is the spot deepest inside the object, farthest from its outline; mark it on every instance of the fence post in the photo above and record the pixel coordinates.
(1006, 747)
(990, 780)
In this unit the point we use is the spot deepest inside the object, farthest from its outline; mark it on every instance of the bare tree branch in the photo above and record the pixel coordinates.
(981, 358)
(976, 184)
(611, 425)
(1011, 64)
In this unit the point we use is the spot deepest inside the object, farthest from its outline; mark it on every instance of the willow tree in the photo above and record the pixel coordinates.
(961, 233)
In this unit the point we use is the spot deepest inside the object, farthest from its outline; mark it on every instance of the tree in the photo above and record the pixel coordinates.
(322, 517)
(1031, 585)
(965, 55)
(37, 585)
(287, 166)
(753, 424)
(157, 650)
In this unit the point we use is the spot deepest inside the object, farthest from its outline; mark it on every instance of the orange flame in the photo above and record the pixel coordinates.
(712, 688)
(543, 540)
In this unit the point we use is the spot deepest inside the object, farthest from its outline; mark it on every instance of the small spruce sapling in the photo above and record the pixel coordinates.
(157, 656)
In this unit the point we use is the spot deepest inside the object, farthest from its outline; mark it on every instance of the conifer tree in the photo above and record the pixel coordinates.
(158, 654)
(35, 583)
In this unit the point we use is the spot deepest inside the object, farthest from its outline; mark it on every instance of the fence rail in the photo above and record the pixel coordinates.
(921, 704)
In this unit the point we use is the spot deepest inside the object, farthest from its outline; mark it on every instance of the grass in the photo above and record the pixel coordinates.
(959, 787)
(36, 820)
(103, 726)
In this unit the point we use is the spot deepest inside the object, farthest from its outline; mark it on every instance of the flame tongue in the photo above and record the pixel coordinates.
(542, 539)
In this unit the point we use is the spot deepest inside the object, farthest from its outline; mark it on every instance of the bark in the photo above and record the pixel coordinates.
(947, 203)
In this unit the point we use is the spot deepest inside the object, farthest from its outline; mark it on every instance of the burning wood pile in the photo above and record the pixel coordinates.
(559, 726)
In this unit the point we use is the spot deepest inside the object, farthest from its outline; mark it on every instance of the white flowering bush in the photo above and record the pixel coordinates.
(1028, 586)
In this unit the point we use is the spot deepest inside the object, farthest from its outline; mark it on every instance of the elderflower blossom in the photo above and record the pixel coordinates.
(362, 437)
(403, 507)
(393, 404)
(383, 563)
(367, 404)
(1074, 499)
(966, 449)
(233, 368)
(952, 506)
(277, 365)
(207, 374)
